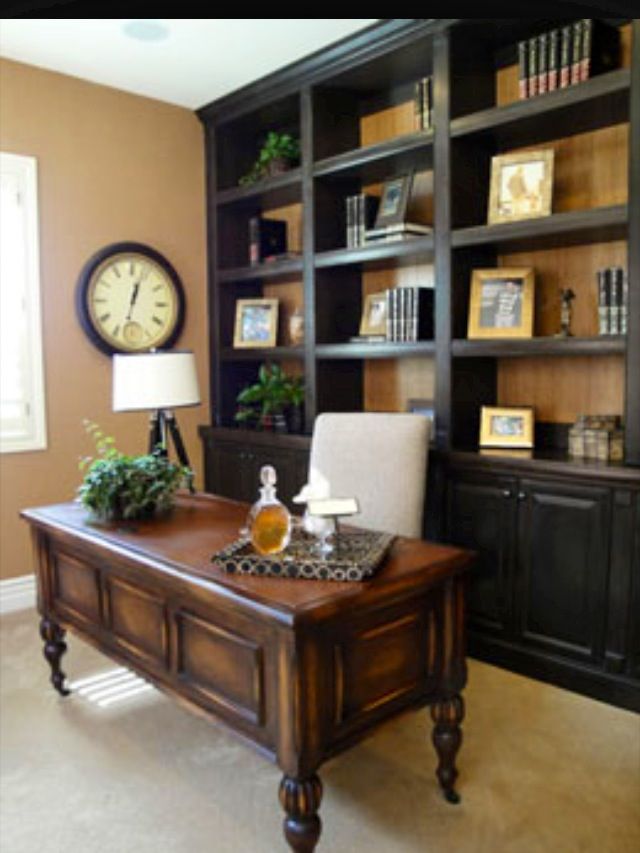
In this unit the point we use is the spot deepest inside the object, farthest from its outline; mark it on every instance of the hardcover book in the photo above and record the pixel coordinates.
(542, 64)
(604, 301)
(576, 53)
(565, 57)
(523, 65)
(553, 60)
(533, 67)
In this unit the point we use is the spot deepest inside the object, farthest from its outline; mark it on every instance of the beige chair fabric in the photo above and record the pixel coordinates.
(380, 459)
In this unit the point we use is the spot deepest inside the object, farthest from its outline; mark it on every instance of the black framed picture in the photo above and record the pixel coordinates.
(394, 201)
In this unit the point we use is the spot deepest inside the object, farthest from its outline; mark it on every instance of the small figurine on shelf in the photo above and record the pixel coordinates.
(566, 297)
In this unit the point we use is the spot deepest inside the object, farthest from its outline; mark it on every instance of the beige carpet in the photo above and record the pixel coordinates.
(541, 770)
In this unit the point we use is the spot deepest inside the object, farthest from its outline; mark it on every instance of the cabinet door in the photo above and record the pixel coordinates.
(563, 562)
(228, 470)
(481, 514)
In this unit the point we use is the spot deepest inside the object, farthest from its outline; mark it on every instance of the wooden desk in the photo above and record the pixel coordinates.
(301, 669)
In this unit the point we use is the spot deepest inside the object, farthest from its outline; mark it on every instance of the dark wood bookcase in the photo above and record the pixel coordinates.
(352, 108)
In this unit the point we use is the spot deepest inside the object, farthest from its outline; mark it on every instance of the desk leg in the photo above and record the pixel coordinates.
(300, 798)
(54, 648)
(447, 737)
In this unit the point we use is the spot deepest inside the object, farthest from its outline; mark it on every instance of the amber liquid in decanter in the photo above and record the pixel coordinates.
(269, 521)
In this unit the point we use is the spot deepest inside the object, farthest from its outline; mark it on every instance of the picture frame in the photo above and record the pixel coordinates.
(374, 315)
(394, 200)
(256, 323)
(508, 427)
(426, 408)
(501, 303)
(521, 186)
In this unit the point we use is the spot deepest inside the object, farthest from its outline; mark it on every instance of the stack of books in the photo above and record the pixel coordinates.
(361, 214)
(423, 103)
(399, 231)
(597, 437)
(410, 314)
(566, 56)
(613, 286)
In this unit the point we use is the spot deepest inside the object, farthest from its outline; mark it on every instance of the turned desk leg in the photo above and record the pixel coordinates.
(300, 798)
(447, 737)
(54, 648)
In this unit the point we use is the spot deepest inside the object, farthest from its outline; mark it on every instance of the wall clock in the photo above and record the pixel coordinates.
(129, 298)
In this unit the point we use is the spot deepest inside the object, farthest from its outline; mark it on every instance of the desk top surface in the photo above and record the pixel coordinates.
(183, 542)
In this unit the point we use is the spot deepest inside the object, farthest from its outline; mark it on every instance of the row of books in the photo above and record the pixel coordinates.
(423, 103)
(409, 314)
(613, 286)
(566, 56)
(361, 214)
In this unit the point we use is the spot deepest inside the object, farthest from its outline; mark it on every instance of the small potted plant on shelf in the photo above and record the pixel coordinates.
(278, 154)
(266, 403)
(117, 486)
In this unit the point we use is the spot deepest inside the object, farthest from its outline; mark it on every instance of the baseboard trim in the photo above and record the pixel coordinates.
(17, 593)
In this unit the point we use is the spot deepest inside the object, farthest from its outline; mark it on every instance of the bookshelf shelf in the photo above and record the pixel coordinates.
(411, 151)
(268, 270)
(544, 346)
(259, 354)
(599, 102)
(408, 248)
(383, 349)
(574, 227)
(273, 192)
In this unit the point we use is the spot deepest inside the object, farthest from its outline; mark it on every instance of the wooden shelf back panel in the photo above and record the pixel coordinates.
(560, 389)
(387, 123)
(390, 383)
(574, 267)
(290, 295)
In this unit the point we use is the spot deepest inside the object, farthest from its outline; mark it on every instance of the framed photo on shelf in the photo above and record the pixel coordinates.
(521, 186)
(374, 315)
(501, 303)
(256, 323)
(506, 427)
(394, 200)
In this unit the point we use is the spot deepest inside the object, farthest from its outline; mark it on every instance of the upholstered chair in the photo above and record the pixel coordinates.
(380, 459)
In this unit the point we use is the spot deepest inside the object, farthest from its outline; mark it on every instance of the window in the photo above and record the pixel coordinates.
(22, 409)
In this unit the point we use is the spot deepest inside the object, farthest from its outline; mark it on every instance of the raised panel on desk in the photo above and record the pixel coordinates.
(138, 621)
(76, 589)
(481, 515)
(563, 538)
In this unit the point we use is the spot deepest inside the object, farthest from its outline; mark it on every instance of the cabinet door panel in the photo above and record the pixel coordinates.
(227, 466)
(481, 515)
(563, 547)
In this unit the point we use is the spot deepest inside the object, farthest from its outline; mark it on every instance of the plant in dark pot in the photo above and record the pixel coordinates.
(117, 486)
(278, 154)
(265, 403)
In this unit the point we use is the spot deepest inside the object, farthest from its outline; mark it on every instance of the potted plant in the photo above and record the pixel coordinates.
(279, 153)
(117, 486)
(265, 403)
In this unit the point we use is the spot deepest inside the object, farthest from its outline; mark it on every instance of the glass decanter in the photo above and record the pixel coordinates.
(269, 521)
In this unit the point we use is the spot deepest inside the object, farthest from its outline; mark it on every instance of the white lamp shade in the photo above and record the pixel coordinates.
(154, 380)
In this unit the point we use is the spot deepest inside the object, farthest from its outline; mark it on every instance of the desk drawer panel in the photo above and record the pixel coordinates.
(138, 621)
(223, 667)
(76, 589)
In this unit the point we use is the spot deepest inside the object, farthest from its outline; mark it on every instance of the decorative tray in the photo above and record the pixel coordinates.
(355, 557)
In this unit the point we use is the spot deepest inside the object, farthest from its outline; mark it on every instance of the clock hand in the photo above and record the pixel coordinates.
(134, 296)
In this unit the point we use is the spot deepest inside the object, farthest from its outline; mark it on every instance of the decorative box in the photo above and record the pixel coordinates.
(597, 437)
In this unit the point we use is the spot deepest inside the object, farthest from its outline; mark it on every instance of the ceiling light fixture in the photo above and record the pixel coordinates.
(146, 30)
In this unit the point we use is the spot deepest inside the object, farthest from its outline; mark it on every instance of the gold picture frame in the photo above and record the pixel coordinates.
(501, 303)
(374, 314)
(256, 323)
(509, 426)
(521, 186)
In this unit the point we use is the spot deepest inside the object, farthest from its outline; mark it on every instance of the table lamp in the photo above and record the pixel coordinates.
(161, 382)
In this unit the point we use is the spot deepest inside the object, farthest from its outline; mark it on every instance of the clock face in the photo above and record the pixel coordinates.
(130, 299)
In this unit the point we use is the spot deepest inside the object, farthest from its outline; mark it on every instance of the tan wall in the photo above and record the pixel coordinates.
(111, 166)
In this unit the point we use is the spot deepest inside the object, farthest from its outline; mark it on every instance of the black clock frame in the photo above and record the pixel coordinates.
(84, 280)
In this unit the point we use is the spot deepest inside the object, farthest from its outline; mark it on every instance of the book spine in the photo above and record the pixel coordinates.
(413, 314)
(543, 86)
(533, 67)
(576, 53)
(523, 81)
(427, 103)
(389, 328)
(402, 291)
(418, 108)
(553, 60)
(604, 294)
(565, 58)
(349, 221)
(587, 41)
(254, 241)
(615, 277)
(359, 220)
(624, 305)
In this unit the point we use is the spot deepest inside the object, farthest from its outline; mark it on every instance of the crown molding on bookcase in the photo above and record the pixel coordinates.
(17, 593)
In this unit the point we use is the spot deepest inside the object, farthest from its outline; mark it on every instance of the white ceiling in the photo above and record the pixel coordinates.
(198, 61)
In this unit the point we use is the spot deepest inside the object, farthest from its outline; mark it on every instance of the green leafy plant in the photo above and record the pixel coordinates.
(279, 149)
(273, 394)
(117, 486)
